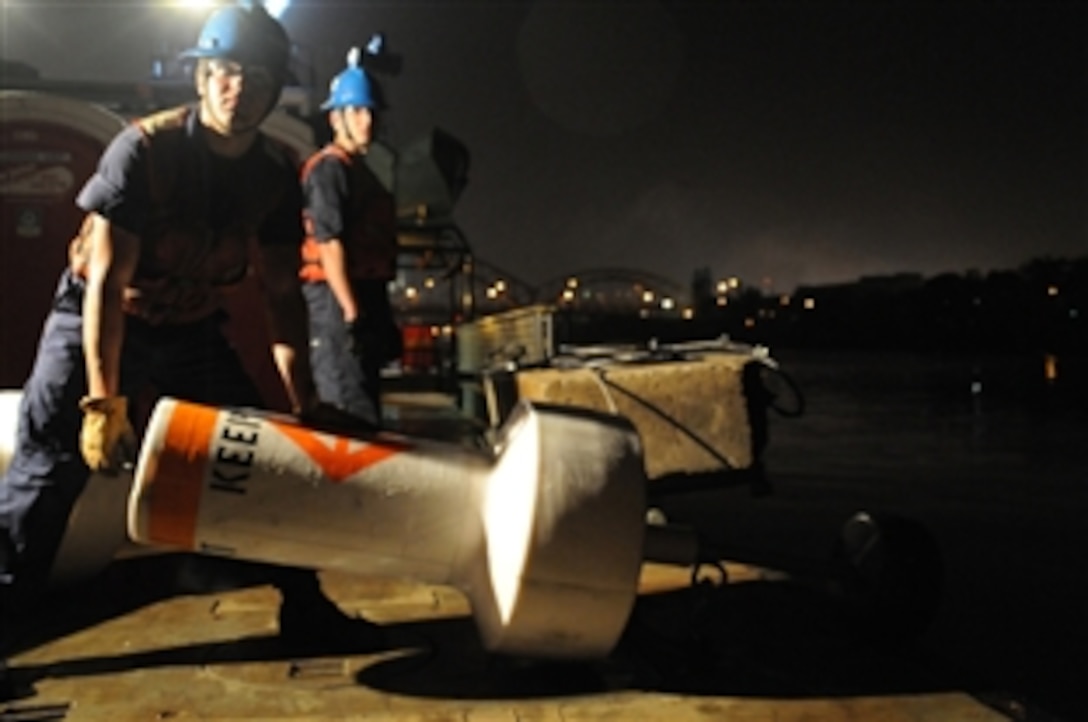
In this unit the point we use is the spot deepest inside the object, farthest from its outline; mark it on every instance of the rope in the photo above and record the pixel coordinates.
(598, 377)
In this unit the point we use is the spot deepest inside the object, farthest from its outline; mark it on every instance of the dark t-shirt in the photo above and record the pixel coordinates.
(196, 214)
(120, 188)
(338, 195)
(326, 193)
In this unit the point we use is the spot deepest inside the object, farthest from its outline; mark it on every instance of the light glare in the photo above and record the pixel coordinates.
(275, 8)
(194, 4)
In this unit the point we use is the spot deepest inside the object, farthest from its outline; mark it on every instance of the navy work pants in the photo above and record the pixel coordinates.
(47, 473)
(347, 362)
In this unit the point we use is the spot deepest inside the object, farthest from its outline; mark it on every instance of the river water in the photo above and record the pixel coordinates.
(990, 453)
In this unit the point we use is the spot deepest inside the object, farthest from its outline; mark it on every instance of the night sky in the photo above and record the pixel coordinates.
(804, 142)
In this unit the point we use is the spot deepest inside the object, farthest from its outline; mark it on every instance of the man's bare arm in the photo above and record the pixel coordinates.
(288, 324)
(334, 263)
(111, 264)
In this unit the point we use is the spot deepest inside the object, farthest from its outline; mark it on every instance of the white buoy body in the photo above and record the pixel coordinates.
(543, 533)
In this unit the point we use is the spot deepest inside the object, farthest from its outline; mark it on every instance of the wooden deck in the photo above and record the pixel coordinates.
(132, 644)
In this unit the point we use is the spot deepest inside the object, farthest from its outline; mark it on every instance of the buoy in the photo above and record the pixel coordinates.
(543, 533)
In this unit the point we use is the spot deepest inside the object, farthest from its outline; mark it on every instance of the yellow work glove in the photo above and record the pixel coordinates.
(107, 440)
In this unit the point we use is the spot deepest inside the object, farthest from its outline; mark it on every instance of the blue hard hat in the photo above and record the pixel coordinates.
(353, 87)
(245, 33)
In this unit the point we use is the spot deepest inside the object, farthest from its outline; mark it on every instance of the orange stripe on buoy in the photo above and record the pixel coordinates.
(174, 497)
(339, 457)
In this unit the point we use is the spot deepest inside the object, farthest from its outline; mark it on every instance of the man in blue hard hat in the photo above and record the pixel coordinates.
(350, 253)
(184, 205)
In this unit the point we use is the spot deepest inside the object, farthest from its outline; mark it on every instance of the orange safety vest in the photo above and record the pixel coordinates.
(184, 264)
(370, 227)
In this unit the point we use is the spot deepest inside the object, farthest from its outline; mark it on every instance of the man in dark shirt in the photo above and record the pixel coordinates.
(350, 252)
(184, 204)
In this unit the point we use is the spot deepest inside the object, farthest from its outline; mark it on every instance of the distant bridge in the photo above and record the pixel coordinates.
(494, 289)
(613, 287)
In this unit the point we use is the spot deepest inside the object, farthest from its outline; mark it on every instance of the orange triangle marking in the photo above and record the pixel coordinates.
(338, 457)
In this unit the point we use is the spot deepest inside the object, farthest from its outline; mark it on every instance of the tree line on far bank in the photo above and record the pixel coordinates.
(1040, 306)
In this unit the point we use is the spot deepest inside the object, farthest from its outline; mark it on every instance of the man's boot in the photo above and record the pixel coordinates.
(9, 690)
(7, 687)
(311, 622)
